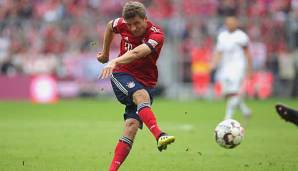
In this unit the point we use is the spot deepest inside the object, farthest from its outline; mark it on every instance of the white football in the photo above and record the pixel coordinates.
(229, 133)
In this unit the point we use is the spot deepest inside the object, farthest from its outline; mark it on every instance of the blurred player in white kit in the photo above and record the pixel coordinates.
(233, 62)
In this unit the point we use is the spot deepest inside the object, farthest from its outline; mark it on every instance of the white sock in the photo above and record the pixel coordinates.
(232, 104)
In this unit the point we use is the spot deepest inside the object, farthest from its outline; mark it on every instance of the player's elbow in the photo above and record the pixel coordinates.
(140, 51)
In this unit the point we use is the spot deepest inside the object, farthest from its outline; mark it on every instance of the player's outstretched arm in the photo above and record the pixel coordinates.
(103, 57)
(140, 51)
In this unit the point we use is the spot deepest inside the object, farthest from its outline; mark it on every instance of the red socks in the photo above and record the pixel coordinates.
(124, 145)
(122, 150)
(147, 116)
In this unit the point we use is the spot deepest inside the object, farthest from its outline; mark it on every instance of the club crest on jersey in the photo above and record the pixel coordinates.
(131, 84)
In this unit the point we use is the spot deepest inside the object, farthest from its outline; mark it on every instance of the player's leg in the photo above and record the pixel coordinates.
(232, 86)
(130, 128)
(230, 92)
(287, 113)
(231, 104)
(135, 93)
(132, 93)
(245, 110)
(235, 101)
(142, 99)
(125, 143)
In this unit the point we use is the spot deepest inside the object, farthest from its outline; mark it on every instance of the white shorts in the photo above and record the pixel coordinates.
(231, 82)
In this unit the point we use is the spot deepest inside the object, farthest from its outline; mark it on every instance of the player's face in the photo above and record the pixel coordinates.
(231, 23)
(137, 26)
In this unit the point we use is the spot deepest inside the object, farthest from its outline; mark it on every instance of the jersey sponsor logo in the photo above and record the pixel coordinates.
(127, 45)
(131, 84)
(153, 43)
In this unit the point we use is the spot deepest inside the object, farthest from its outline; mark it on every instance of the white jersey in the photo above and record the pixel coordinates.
(233, 62)
(231, 44)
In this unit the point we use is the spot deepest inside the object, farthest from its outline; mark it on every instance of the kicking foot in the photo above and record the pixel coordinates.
(286, 113)
(164, 140)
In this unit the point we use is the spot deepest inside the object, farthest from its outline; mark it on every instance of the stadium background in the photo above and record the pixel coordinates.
(60, 38)
(48, 54)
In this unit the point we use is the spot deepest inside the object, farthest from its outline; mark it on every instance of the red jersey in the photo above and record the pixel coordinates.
(144, 69)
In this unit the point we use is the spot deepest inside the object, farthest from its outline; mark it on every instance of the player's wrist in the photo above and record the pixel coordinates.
(105, 54)
(115, 61)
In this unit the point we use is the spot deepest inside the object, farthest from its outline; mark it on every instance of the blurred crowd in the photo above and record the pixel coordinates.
(55, 36)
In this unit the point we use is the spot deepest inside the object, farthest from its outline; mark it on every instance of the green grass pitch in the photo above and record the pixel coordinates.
(80, 135)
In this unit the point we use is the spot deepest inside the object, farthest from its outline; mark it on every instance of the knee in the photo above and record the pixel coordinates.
(132, 126)
(141, 96)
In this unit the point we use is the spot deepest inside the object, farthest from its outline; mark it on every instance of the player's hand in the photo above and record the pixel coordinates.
(107, 70)
(102, 57)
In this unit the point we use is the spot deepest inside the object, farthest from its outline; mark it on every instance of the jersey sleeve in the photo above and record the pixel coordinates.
(243, 40)
(155, 42)
(116, 25)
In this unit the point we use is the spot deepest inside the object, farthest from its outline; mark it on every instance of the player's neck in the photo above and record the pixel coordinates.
(232, 30)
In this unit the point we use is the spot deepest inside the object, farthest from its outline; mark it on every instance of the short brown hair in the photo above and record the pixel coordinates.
(132, 9)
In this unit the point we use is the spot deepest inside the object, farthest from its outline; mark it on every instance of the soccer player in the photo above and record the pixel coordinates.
(287, 113)
(134, 75)
(234, 61)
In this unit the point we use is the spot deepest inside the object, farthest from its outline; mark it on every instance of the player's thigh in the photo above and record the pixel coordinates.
(124, 86)
(231, 85)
